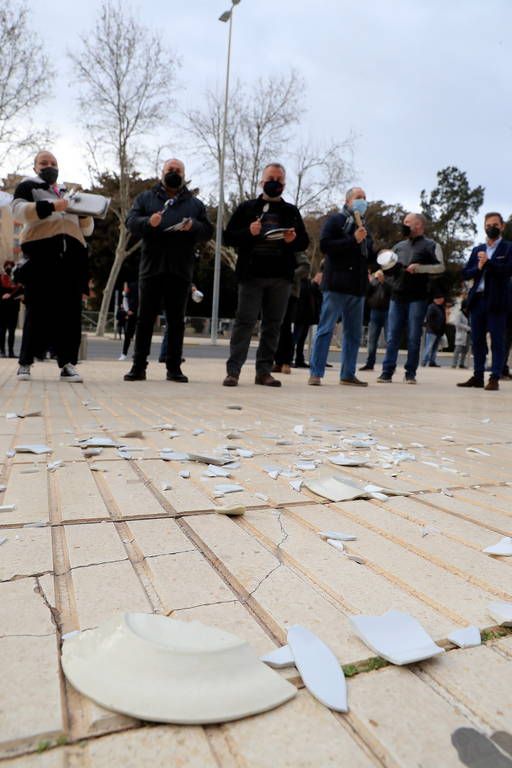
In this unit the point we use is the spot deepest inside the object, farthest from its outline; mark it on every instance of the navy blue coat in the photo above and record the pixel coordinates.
(346, 265)
(497, 273)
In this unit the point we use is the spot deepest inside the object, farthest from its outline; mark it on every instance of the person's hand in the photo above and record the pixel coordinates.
(129, 312)
(412, 269)
(155, 219)
(360, 234)
(187, 225)
(290, 235)
(255, 228)
(379, 274)
(317, 278)
(482, 259)
(6, 295)
(60, 205)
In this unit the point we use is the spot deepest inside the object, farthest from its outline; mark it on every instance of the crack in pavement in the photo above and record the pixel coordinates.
(284, 537)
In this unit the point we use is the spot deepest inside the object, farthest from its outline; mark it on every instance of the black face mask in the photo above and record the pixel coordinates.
(406, 230)
(8, 270)
(273, 188)
(49, 174)
(173, 180)
(492, 232)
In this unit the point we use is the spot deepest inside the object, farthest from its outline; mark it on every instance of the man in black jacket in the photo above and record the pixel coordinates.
(170, 221)
(377, 298)
(418, 258)
(348, 248)
(267, 233)
(490, 268)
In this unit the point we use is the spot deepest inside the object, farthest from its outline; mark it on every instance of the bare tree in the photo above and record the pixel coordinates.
(260, 120)
(127, 78)
(26, 77)
(317, 177)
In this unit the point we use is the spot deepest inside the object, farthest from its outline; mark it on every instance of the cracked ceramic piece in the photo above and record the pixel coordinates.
(334, 489)
(198, 432)
(501, 612)
(305, 465)
(90, 452)
(7, 507)
(299, 429)
(184, 473)
(341, 460)
(337, 535)
(218, 461)
(227, 488)
(213, 471)
(230, 511)
(167, 454)
(319, 668)
(53, 465)
(279, 658)
(163, 670)
(336, 544)
(471, 449)
(3, 539)
(296, 485)
(469, 637)
(33, 448)
(503, 547)
(166, 487)
(164, 427)
(245, 453)
(396, 636)
(98, 442)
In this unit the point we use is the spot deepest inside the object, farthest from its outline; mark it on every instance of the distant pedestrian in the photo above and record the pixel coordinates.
(285, 348)
(308, 314)
(435, 328)
(462, 334)
(377, 298)
(130, 308)
(490, 268)
(11, 295)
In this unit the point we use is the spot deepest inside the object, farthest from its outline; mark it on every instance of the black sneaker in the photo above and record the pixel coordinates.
(177, 376)
(366, 367)
(135, 374)
(69, 373)
(385, 378)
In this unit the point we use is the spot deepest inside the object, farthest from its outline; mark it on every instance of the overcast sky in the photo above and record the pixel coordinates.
(422, 84)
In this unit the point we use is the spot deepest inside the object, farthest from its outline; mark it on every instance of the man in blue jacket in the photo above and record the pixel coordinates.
(490, 268)
(170, 221)
(348, 249)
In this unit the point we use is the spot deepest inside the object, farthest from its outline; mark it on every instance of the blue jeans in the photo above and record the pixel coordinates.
(431, 344)
(409, 315)
(349, 309)
(378, 321)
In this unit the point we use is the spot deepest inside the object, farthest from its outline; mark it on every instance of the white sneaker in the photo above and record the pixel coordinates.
(69, 373)
(23, 373)
(123, 357)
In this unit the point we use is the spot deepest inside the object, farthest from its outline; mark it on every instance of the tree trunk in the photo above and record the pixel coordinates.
(120, 256)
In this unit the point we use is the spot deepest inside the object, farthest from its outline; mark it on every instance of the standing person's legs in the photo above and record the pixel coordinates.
(66, 323)
(463, 349)
(12, 322)
(250, 294)
(284, 351)
(164, 346)
(496, 325)
(415, 316)
(150, 296)
(508, 345)
(129, 330)
(300, 334)
(397, 316)
(3, 327)
(478, 322)
(274, 304)
(352, 312)
(428, 351)
(377, 323)
(329, 314)
(35, 335)
(176, 293)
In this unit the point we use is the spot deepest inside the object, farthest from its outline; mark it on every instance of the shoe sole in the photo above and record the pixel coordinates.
(24, 378)
(72, 379)
(353, 383)
(315, 383)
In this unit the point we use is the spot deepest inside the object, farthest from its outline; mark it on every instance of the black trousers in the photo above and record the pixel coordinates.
(268, 295)
(284, 351)
(9, 311)
(129, 331)
(173, 292)
(53, 312)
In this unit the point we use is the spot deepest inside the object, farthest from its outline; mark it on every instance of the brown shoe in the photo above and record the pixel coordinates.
(354, 382)
(266, 380)
(286, 368)
(474, 381)
(276, 368)
(231, 380)
(314, 381)
(492, 385)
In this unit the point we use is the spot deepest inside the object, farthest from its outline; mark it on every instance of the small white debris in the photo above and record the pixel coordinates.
(296, 485)
(299, 429)
(33, 448)
(88, 453)
(170, 455)
(98, 442)
(448, 438)
(262, 496)
(3, 488)
(213, 471)
(197, 432)
(336, 544)
(36, 524)
(417, 445)
(166, 487)
(486, 421)
(446, 492)
(96, 468)
(53, 465)
(227, 488)
(164, 427)
(469, 637)
(337, 535)
(245, 453)
(11, 415)
(471, 449)
(184, 473)
(305, 465)
(502, 548)
(3, 539)
(7, 507)
(71, 634)
(127, 541)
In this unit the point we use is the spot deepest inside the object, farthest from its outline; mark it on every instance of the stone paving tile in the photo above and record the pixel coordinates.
(113, 546)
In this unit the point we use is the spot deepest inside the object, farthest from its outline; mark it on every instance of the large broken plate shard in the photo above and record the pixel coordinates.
(217, 461)
(99, 442)
(33, 448)
(501, 612)
(344, 488)
(279, 658)
(163, 670)
(396, 636)
(503, 547)
(319, 668)
(348, 461)
(469, 637)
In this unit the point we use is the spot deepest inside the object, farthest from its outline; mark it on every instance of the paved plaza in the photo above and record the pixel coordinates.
(99, 536)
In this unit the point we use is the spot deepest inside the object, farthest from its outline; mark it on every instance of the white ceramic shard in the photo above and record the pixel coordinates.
(164, 427)
(213, 471)
(501, 612)
(471, 449)
(99, 442)
(334, 489)
(198, 432)
(53, 465)
(33, 448)
(184, 473)
(90, 452)
(336, 544)
(11, 415)
(245, 453)
(319, 668)
(7, 507)
(396, 636)
(262, 496)
(228, 488)
(305, 465)
(163, 670)
(166, 487)
(204, 459)
(3, 539)
(279, 658)
(347, 461)
(299, 429)
(469, 637)
(170, 455)
(296, 485)
(230, 511)
(338, 535)
(503, 547)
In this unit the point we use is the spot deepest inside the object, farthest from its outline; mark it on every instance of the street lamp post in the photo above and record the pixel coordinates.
(226, 16)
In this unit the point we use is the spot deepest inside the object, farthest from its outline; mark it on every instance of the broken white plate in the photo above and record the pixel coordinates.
(163, 427)
(347, 461)
(319, 668)
(33, 448)
(299, 429)
(184, 473)
(396, 636)
(501, 612)
(227, 488)
(169, 455)
(336, 544)
(469, 637)
(296, 485)
(7, 507)
(53, 465)
(230, 511)
(334, 489)
(503, 547)
(280, 658)
(337, 535)
(163, 670)
(245, 453)
(99, 442)
(204, 459)
(305, 465)
(213, 471)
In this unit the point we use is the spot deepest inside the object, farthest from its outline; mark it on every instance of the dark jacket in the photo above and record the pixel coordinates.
(378, 294)
(497, 273)
(435, 319)
(168, 252)
(346, 263)
(257, 257)
(406, 286)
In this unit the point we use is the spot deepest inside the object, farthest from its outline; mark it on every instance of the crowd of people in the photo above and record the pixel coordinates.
(399, 287)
